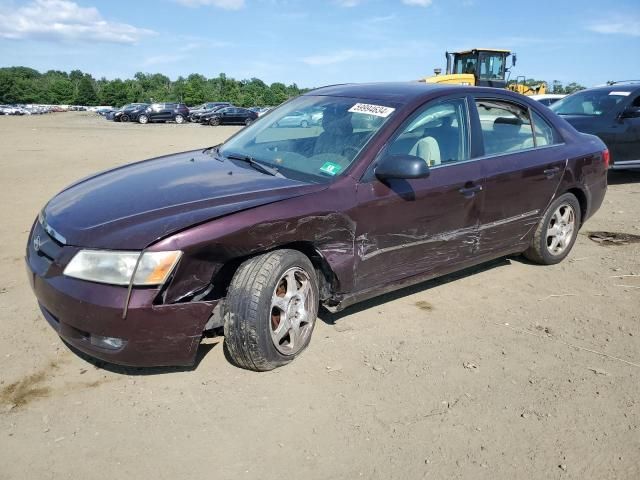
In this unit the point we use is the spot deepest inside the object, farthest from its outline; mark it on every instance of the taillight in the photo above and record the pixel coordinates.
(606, 157)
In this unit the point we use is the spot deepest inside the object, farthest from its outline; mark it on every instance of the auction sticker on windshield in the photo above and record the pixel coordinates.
(376, 110)
(331, 168)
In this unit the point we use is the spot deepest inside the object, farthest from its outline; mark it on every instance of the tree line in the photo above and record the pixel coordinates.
(24, 85)
(555, 86)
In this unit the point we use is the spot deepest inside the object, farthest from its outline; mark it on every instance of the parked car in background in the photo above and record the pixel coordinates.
(130, 112)
(261, 110)
(548, 98)
(611, 112)
(252, 235)
(165, 112)
(295, 119)
(229, 116)
(196, 113)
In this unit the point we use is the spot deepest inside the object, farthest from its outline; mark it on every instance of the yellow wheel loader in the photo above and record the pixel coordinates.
(483, 67)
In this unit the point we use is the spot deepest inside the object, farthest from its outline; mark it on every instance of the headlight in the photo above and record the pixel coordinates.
(116, 268)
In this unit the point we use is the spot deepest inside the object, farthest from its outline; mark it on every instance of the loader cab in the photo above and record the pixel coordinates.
(489, 67)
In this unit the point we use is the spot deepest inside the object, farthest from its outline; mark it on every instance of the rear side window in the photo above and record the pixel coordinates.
(543, 131)
(506, 127)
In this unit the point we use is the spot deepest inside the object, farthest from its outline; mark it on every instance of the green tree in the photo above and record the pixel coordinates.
(86, 92)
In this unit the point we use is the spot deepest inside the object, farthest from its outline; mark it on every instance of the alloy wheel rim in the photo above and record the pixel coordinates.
(560, 229)
(291, 319)
(143, 119)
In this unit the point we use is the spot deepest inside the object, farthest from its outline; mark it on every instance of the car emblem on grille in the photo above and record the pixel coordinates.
(37, 243)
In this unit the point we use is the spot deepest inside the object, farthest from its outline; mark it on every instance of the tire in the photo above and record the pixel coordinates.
(179, 119)
(124, 118)
(214, 121)
(556, 233)
(261, 310)
(304, 124)
(248, 121)
(143, 119)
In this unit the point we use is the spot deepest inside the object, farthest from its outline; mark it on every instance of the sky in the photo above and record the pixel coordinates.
(320, 42)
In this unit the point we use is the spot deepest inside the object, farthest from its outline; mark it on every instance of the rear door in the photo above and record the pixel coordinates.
(521, 171)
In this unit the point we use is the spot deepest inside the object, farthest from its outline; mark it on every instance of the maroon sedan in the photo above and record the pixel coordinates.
(399, 183)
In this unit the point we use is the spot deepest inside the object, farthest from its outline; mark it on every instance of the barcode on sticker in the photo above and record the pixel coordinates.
(376, 110)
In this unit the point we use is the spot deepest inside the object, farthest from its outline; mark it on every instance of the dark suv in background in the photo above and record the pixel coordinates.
(611, 112)
(164, 112)
(129, 112)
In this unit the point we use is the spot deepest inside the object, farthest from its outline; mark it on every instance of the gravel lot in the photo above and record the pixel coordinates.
(508, 371)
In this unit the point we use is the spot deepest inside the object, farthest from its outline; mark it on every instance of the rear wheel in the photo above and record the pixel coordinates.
(179, 119)
(557, 231)
(214, 121)
(270, 310)
(143, 119)
(248, 121)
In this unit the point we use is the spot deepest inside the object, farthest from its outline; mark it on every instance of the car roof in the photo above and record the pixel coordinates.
(616, 87)
(401, 92)
(404, 93)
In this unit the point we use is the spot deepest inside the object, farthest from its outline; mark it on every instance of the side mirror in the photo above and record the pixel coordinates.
(630, 112)
(514, 59)
(401, 166)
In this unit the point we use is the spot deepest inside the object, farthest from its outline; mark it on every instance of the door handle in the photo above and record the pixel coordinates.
(551, 172)
(469, 192)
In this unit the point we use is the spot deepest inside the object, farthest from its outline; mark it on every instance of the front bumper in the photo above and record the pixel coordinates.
(81, 312)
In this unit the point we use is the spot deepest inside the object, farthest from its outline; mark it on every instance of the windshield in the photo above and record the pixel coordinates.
(311, 138)
(593, 103)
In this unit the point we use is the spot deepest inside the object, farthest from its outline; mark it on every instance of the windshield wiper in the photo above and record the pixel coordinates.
(256, 164)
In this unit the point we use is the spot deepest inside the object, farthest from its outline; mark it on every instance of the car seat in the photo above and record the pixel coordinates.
(427, 148)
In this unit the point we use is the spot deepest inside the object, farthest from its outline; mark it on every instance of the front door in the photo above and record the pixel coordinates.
(422, 226)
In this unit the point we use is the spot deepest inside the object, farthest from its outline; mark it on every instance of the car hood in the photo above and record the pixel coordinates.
(133, 206)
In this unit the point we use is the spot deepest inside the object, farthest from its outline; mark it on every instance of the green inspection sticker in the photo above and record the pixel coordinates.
(331, 168)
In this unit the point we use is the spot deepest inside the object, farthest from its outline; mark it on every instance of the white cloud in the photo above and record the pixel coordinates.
(617, 26)
(224, 4)
(65, 20)
(418, 3)
(347, 55)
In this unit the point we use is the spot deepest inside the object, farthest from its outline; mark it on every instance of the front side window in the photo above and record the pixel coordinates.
(506, 127)
(312, 138)
(437, 134)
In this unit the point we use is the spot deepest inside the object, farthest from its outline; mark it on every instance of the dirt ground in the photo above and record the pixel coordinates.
(509, 371)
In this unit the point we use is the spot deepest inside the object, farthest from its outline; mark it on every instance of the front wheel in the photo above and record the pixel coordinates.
(179, 119)
(214, 122)
(304, 124)
(143, 119)
(124, 118)
(557, 231)
(270, 310)
(248, 121)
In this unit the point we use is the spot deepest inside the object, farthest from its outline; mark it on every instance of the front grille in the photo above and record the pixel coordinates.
(44, 244)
